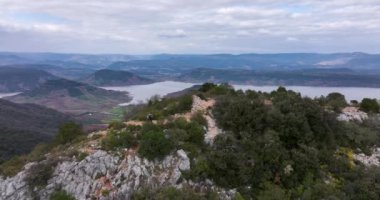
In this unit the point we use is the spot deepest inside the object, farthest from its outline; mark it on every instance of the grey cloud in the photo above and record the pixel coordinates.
(182, 26)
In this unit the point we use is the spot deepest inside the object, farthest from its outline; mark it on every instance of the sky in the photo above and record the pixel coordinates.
(190, 26)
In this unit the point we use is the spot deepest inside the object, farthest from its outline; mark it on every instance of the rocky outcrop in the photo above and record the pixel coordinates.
(372, 160)
(15, 188)
(105, 176)
(352, 114)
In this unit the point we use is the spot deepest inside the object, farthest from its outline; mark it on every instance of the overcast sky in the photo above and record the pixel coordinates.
(190, 26)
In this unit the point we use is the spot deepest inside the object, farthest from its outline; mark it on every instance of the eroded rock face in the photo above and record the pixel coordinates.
(352, 114)
(102, 173)
(15, 188)
(373, 160)
(105, 176)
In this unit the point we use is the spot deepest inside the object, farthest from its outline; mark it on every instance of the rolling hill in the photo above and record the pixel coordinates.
(72, 97)
(15, 79)
(108, 77)
(22, 126)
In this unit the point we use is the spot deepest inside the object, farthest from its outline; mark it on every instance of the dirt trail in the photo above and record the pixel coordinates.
(203, 107)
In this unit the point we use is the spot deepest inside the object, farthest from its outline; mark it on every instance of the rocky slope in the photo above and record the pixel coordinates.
(102, 175)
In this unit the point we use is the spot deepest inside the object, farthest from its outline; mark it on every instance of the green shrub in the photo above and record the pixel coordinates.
(180, 130)
(61, 195)
(81, 156)
(119, 139)
(207, 87)
(199, 118)
(68, 132)
(336, 101)
(13, 166)
(105, 192)
(154, 145)
(171, 193)
(39, 174)
(370, 105)
(116, 125)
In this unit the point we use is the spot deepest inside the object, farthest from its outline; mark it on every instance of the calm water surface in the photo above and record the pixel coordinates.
(2, 95)
(141, 93)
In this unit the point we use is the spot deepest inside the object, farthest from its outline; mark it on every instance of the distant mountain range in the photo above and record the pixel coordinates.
(256, 61)
(243, 61)
(305, 77)
(72, 97)
(349, 69)
(22, 126)
(108, 77)
(63, 60)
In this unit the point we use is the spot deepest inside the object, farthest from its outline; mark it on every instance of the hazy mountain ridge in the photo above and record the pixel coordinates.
(25, 125)
(106, 77)
(306, 77)
(15, 79)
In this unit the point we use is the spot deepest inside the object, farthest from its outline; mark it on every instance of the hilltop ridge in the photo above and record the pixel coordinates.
(261, 144)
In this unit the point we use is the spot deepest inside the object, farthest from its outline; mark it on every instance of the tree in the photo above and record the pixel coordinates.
(154, 145)
(68, 132)
(336, 101)
(370, 105)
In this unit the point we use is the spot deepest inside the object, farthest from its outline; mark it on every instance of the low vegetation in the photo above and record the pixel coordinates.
(39, 174)
(161, 108)
(276, 145)
(171, 193)
(290, 148)
(155, 141)
(117, 139)
(23, 126)
(61, 195)
(370, 105)
(68, 133)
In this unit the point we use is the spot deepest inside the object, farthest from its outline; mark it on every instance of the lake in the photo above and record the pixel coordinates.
(2, 95)
(141, 93)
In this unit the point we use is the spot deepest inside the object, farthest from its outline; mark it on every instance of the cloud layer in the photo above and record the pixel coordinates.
(182, 26)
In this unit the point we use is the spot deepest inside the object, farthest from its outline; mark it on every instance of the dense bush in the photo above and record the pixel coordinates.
(287, 148)
(199, 118)
(161, 108)
(61, 195)
(336, 100)
(155, 144)
(14, 165)
(120, 139)
(370, 105)
(39, 174)
(171, 193)
(116, 125)
(68, 132)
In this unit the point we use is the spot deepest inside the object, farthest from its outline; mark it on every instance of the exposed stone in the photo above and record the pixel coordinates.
(102, 171)
(374, 159)
(352, 114)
